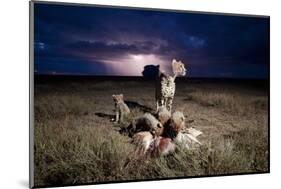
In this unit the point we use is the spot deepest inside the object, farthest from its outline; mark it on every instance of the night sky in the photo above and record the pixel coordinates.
(79, 40)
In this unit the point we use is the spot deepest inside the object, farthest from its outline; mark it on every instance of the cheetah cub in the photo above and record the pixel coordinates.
(174, 125)
(121, 108)
(146, 122)
(163, 115)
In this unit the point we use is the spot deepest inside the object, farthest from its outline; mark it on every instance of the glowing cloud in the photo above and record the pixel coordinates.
(133, 65)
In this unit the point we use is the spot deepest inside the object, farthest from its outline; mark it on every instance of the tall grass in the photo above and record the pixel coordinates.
(231, 103)
(73, 146)
(69, 154)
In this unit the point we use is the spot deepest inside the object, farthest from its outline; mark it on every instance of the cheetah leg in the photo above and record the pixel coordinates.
(159, 103)
(117, 117)
(166, 103)
(121, 117)
(169, 104)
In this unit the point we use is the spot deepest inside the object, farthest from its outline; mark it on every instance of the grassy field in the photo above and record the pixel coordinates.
(75, 141)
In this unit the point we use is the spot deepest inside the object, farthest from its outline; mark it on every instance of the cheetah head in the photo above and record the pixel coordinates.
(118, 98)
(178, 68)
(178, 121)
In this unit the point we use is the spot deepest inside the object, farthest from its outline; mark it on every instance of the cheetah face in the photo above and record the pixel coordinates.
(178, 68)
(178, 120)
(159, 129)
(117, 98)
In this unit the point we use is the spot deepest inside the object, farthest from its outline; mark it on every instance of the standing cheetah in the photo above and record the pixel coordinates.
(166, 86)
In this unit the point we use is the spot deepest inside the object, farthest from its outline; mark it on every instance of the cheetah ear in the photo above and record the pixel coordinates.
(174, 61)
(113, 96)
(121, 96)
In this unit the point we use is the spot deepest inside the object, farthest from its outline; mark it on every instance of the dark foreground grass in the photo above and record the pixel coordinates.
(74, 146)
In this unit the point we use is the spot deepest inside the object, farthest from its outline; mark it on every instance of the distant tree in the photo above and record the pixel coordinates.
(151, 71)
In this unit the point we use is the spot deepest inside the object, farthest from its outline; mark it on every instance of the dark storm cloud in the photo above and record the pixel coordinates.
(72, 65)
(102, 47)
(209, 45)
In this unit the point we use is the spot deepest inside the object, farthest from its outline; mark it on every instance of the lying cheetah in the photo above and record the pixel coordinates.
(163, 115)
(146, 122)
(174, 125)
(156, 146)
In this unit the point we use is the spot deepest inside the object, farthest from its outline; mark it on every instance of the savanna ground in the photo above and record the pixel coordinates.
(75, 141)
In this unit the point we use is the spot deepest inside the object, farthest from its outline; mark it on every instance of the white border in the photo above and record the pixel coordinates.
(14, 119)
